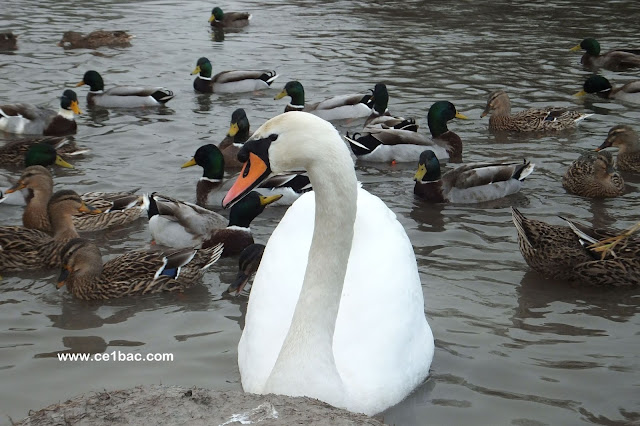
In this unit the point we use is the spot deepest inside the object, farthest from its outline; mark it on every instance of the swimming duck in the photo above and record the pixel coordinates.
(470, 183)
(337, 248)
(28, 119)
(626, 140)
(593, 175)
(219, 19)
(178, 224)
(26, 249)
(44, 152)
(115, 209)
(41, 154)
(613, 60)
(95, 39)
(230, 81)
(386, 145)
(122, 96)
(132, 274)
(248, 263)
(336, 108)
(530, 120)
(238, 134)
(568, 253)
(8, 41)
(601, 87)
(380, 115)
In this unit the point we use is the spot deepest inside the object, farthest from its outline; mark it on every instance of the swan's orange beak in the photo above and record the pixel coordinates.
(254, 171)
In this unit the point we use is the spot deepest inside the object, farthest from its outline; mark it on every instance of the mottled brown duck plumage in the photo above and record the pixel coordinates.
(563, 253)
(593, 175)
(132, 274)
(95, 39)
(116, 208)
(626, 140)
(530, 120)
(27, 249)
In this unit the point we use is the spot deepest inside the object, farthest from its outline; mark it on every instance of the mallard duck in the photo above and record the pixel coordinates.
(8, 41)
(115, 209)
(230, 81)
(210, 158)
(219, 19)
(178, 224)
(248, 263)
(27, 119)
(470, 183)
(41, 154)
(337, 249)
(626, 140)
(336, 108)
(613, 60)
(593, 175)
(26, 249)
(95, 39)
(386, 145)
(566, 253)
(530, 120)
(238, 134)
(380, 115)
(132, 274)
(122, 96)
(601, 87)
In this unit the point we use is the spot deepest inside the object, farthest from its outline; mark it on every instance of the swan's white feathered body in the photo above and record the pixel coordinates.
(382, 346)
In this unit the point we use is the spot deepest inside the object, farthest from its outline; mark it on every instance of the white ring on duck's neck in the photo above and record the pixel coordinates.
(66, 113)
(96, 91)
(205, 78)
(298, 107)
(211, 180)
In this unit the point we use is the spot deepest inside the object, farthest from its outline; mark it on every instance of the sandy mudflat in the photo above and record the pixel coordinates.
(176, 405)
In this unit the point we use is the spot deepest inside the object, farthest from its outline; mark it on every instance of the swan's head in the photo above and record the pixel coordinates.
(291, 141)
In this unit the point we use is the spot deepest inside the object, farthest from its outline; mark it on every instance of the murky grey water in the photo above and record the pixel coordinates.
(511, 348)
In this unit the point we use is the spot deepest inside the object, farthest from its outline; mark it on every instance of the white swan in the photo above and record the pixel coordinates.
(336, 311)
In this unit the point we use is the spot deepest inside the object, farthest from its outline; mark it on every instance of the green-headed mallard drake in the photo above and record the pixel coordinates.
(593, 175)
(95, 39)
(238, 134)
(27, 119)
(43, 152)
(174, 223)
(601, 87)
(566, 253)
(387, 145)
(220, 19)
(8, 41)
(132, 274)
(115, 209)
(530, 120)
(122, 96)
(380, 115)
(230, 81)
(626, 140)
(208, 189)
(248, 263)
(470, 183)
(25, 249)
(613, 60)
(337, 108)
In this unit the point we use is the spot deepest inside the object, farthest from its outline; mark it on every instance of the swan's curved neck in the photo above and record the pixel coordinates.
(309, 342)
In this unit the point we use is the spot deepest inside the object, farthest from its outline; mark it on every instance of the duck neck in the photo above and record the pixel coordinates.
(437, 125)
(307, 351)
(62, 226)
(35, 214)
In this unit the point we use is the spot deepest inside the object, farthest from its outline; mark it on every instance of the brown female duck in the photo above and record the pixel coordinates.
(593, 175)
(25, 249)
(134, 273)
(95, 39)
(571, 253)
(626, 140)
(530, 120)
